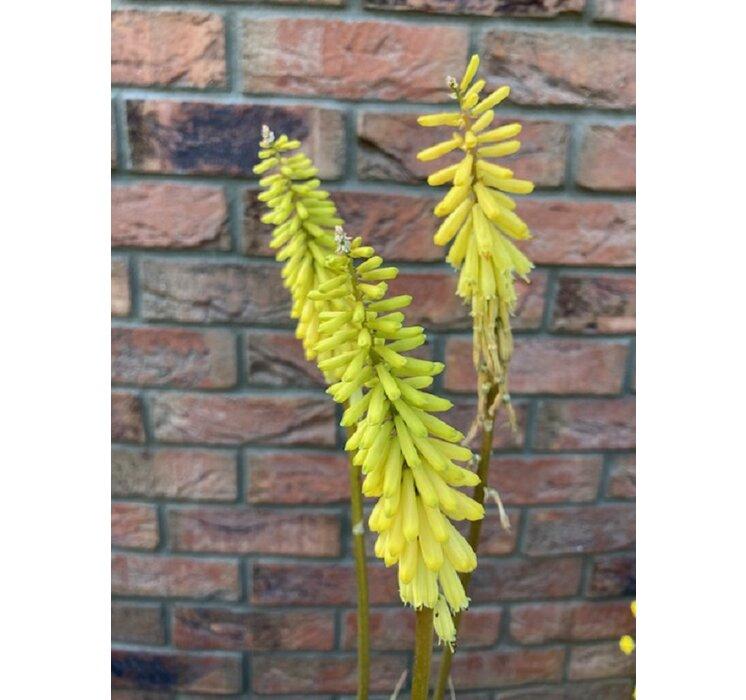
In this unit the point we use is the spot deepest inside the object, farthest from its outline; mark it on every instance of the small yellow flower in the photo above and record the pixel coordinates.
(627, 644)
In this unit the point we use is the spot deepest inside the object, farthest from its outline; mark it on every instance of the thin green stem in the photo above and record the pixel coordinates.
(423, 651)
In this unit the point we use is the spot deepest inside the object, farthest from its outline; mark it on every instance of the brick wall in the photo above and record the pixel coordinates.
(232, 567)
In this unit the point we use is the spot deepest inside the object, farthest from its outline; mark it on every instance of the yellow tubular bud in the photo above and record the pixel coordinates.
(396, 541)
(442, 119)
(463, 172)
(387, 382)
(424, 486)
(455, 196)
(499, 150)
(432, 552)
(507, 131)
(440, 177)
(471, 70)
(515, 186)
(452, 223)
(483, 122)
(414, 425)
(405, 442)
(410, 519)
(439, 149)
(491, 100)
(458, 250)
(438, 523)
(443, 623)
(453, 589)
(392, 474)
(408, 561)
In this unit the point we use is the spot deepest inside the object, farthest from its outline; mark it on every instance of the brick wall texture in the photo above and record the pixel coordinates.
(231, 568)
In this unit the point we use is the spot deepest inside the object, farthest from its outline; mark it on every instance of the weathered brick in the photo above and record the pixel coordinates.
(175, 474)
(277, 359)
(464, 410)
(174, 577)
(530, 480)
(126, 417)
(612, 575)
(621, 11)
(169, 215)
(182, 49)
(296, 477)
(137, 623)
(206, 291)
(249, 530)
(221, 139)
(562, 68)
(607, 158)
(200, 627)
(388, 143)
(582, 529)
(173, 357)
(351, 60)
(539, 623)
(580, 233)
(331, 673)
(168, 671)
(134, 525)
(507, 579)
(546, 365)
(617, 689)
(586, 424)
(622, 478)
(487, 669)
(121, 302)
(492, 8)
(391, 630)
(599, 661)
(494, 540)
(595, 304)
(113, 139)
(235, 420)
(318, 584)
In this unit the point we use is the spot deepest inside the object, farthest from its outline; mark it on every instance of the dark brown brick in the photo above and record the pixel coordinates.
(236, 420)
(618, 689)
(277, 359)
(496, 580)
(582, 529)
(464, 410)
(210, 138)
(208, 292)
(595, 304)
(621, 11)
(599, 661)
(622, 478)
(126, 418)
(173, 357)
(182, 49)
(175, 474)
(612, 575)
(248, 530)
(607, 158)
(137, 623)
(546, 365)
(487, 669)
(134, 525)
(296, 477)
(492, 8)
(174, 577)
(169, 215)
(562, 68)
(145, 670)
(586, 424)
(121, 302)
(351, 60)
(241, 630)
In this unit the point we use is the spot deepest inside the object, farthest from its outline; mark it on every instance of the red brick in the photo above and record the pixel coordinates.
(599, 661)
(351, 60)
(530, 480)
(580, 233)
(318, 584)
(582, 529)
(464, 410)
(492, 8)
(182, 49)
(278, 359)
(145, 670)
(113, 140)
(233, 420)
(496, 580)
(617, 689)
(487, 669)
(121, 301)
(621, 11)
(248, 530)
(168, 215)
(494, 540)
(539, 623)
(622, 478)
(546, 366)
(210, 138)
(388, 143)
(393, 629)
(137, 623)
(332, 673)
(174, 577)
(562, 68)
(595, 304)
(207, 292)
(296, 477)
(607, 158)
(134, 525)
(243, 630)
(612, 575)
(588, 424)
(126, 418)
(175, 474)
(173, 357)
